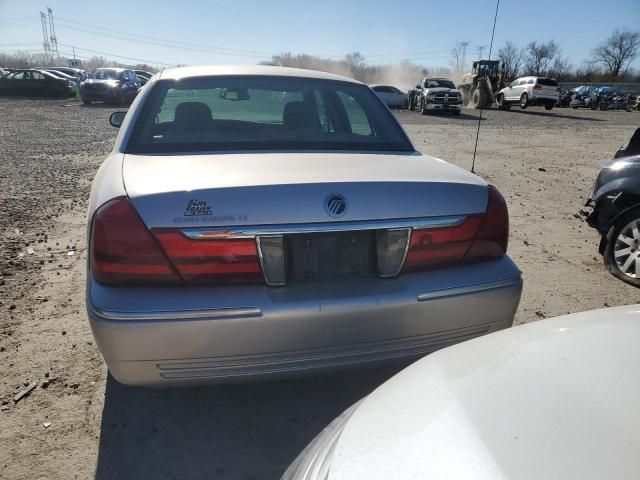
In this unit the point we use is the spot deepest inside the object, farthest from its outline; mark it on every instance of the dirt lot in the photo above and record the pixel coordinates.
(544, 163)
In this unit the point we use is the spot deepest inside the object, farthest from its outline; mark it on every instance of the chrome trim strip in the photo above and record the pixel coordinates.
(163, 315)
(479, 287)
(253, 231)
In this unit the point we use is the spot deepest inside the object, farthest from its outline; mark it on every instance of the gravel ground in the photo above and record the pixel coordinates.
(80, 423)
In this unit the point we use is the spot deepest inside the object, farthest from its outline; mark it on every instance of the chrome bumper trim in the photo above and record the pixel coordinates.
(480, 287)
(160, 315)
(254, 231)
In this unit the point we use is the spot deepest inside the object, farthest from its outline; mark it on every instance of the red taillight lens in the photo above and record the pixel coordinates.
(440, 245)
(558, 89)
(212, 262)
(493, 235)
(478, 237)
(122, 250)
(537, 87)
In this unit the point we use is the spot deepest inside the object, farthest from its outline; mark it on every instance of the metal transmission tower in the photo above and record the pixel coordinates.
(480, 51)
(52, 31)
(464, 54)
(46, 46)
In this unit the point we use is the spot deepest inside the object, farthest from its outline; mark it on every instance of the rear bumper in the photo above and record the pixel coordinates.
(542, 100)
(173, 336)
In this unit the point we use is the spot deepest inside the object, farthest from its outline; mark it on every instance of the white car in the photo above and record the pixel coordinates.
(554, 399)
(528, 91)
(392, 96)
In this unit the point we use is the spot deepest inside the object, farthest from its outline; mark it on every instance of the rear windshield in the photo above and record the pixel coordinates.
(264, 113)
(547, 82)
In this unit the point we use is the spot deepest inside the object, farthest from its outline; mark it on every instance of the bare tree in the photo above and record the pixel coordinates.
(457, 52)
(617, 52)
(560, 69)
(511, 56)
(540, 56)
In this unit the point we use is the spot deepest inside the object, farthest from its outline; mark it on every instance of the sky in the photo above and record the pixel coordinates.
(242, 31)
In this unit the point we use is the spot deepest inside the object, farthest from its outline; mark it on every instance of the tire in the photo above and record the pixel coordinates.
(575, 107)
(411, 105)
(628, 108)
(86, 101)
(602, 106)
(502, 105)
(479, 98)
(548, 106)
(524, 101)
(456, 112)
(620, 239)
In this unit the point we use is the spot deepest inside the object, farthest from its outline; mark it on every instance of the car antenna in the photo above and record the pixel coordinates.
(475, 148)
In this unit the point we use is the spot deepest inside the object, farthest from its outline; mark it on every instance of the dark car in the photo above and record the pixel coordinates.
(615, 212)
(36, 83)
(110, 85)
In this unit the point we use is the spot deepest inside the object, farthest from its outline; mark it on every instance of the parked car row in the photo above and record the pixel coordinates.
(598, 98)
(112, 85)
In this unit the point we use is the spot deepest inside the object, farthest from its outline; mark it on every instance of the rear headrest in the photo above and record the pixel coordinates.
(297, 115)
(192, 116)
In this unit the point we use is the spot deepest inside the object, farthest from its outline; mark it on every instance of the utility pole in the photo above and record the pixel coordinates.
(52, 31)
(464, 54)
(46, 46)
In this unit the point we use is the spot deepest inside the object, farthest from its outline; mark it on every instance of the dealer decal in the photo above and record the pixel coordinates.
(197, 208)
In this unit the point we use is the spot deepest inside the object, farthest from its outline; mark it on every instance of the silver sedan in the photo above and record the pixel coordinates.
(260, 221)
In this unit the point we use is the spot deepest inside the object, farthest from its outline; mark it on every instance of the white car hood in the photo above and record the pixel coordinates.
(555, 399)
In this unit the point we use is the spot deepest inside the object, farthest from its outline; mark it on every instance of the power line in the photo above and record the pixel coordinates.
(95, 29)
(114, 55)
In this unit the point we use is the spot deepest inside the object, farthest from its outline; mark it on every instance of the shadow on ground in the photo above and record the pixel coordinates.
(248, 431)
(557, 115)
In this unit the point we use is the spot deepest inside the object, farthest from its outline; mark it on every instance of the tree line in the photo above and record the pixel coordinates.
(610, 60)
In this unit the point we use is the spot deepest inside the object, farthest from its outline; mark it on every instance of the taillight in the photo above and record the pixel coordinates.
(123, 251)
(212, 262)
(558, 89)
(537, 87)
(477, 237)
(492, 237)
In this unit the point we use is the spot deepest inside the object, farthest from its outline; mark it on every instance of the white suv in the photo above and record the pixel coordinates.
(527, 91)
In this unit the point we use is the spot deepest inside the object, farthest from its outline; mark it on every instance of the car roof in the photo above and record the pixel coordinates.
(259, 70)
(555, 398)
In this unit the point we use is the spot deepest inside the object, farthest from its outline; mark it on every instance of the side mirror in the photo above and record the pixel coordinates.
(117, 118)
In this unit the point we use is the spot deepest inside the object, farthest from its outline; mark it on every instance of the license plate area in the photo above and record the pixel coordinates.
(332, 255)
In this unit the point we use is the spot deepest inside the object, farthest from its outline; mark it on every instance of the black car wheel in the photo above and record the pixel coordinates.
(411, 106)
(549, 106)
(622, 252)
(524, 101)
